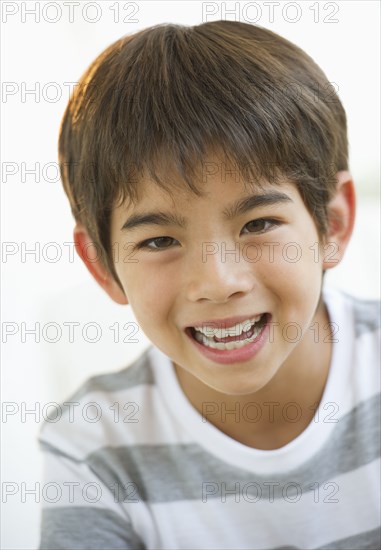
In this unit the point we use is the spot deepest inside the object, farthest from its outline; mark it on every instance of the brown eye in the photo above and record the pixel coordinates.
(161, 243)
(257, 225)
(261, 225)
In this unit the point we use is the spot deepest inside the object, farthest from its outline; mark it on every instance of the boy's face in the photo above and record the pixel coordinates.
(266, 259)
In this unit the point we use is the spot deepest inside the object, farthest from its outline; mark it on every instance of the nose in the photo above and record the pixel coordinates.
(219, 274)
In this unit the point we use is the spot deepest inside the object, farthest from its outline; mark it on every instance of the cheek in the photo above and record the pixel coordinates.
(296, 253)
(151, 293)
(292, 274)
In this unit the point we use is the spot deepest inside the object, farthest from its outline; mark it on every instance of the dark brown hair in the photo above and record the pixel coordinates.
(174, 92)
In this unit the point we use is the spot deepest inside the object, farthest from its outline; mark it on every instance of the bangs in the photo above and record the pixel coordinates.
(171, 96)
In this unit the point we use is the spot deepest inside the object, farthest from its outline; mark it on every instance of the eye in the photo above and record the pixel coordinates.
(159, 240)
(262, 225)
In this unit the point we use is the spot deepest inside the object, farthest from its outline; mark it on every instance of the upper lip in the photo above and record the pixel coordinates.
(224, 323)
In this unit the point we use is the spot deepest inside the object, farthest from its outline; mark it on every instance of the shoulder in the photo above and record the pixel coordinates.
(96, 415)
(356, 352)
(366, 314)
(363, 314)
(356, 322)
(137, 373)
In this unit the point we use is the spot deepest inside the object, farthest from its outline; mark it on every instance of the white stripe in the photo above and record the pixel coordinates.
(143, 419)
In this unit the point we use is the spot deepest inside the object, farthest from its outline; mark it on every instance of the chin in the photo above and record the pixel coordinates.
(241, 388)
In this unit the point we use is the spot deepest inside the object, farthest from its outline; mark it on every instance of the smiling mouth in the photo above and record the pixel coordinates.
(230, 342)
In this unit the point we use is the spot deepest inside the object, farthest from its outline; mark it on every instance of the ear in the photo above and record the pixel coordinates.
(89, 254)
(341, 217)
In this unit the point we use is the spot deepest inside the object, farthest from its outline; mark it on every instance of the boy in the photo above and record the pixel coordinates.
(207, 169)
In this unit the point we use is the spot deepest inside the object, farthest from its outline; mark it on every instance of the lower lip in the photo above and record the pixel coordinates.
(240, 355)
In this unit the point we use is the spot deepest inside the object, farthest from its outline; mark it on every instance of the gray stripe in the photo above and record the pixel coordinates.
(80, 528)
(133, 375)
(86, 528)
(370, 540)
(165, 473)
(138, 373)
(367, 314)
(47, 447)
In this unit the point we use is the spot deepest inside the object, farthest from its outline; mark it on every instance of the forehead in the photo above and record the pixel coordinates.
(216, 178)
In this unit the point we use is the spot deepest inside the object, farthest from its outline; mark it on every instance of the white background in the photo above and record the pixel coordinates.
(34, 213)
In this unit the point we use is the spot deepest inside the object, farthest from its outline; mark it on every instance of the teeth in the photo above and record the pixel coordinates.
(227, 345)
(235, 330)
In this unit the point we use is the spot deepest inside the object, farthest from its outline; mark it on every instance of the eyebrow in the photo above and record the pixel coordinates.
(236, 209)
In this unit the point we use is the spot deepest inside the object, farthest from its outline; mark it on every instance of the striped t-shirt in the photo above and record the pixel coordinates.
(132, 464)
